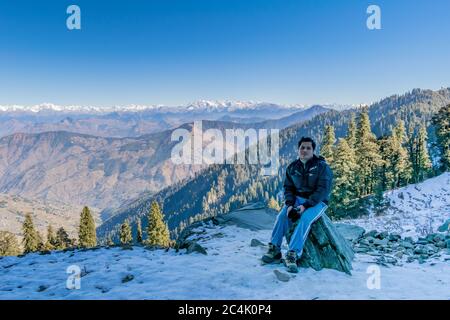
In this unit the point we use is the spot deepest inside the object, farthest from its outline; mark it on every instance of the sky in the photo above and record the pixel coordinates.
(173, 52)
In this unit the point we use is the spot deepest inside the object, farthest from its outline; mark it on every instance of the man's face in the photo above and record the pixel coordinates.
(305, 151)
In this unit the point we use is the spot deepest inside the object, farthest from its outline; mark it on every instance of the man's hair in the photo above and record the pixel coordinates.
(307, 139)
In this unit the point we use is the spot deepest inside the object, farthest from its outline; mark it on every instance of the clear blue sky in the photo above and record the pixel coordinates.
(176, 51)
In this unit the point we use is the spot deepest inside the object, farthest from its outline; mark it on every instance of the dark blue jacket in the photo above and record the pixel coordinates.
(311, 181)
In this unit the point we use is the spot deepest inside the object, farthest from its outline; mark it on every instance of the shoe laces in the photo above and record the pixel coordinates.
(291, 257)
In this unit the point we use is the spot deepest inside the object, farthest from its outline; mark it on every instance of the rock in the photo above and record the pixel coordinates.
(381, 242)
(195, 247)
(382, 235)
(127, 278)
(447, 243)
(430, 237)
(253, 217)
(361, 250)
(349, 231)
(439, 238)
(281, 276)
(399, 254)
(370, 239)
(441, 244)
(420, 249)
(394, 237)
(431, 248)
(256, 243)
(371, 233)
(422, 242)
(407, 245)
(42, 288)
(409, 239)
(410, 259)
(445, 226)
(325, 247)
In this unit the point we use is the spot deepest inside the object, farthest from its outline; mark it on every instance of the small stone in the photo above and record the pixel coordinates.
(399, 254)
(381, 242)
(394, 237)
(195, 247)
(445, 226)
(410, 259)
(281, 276)
(370, 239)
(447, 243)
(42, 288)
(256, 243)
(381, 235)
(127, 278)
(407, 245)
(371, 233)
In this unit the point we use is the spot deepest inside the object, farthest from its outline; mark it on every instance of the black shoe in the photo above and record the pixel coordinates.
(273, 255)
(291, 261)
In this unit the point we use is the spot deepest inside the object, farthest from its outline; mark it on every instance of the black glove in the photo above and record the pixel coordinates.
(294, 214)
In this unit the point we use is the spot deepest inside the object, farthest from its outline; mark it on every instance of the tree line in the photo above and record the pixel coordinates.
(364, 165)
(32, 241)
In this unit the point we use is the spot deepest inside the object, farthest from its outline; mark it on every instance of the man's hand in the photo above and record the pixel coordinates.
(295, 214)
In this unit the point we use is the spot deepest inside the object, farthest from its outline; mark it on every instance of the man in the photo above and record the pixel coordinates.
(307, 187)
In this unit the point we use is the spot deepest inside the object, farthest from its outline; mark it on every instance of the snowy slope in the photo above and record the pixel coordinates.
(231, 270)
(415, 210)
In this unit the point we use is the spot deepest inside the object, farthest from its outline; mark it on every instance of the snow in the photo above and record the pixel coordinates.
(415, 211)
(231, 270)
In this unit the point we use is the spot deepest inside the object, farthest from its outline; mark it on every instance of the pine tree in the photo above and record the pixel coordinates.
(62, 239)
(352, 131)
(327, 147)
(157, 230)
(110, 242)
(30, 237)
(40, 241)
(396, 166)
(9, 245)
(139, 232)
(274, 204)
(50, 244)
(126, 237)
(441, 122)
(86, 232)
(423, 162)
(367, 156)
(344, 193)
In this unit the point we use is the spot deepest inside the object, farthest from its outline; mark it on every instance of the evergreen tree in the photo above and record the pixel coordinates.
(62, 239)
(326, 150)
(139, 232)
(423, 162)
(441, 122)
(50, 244)
(9, 245)
(86, 232)
(126, 237)
(274, 204)
(110, 242)
(344, 166)
(40, 241)
(352, 132)
(30, 237)
(367, 156)
(157, 230)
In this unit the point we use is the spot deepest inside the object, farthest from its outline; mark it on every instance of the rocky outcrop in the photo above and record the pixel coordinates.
(325, 247)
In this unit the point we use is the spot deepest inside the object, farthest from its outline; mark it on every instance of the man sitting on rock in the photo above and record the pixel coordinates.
(307, 187)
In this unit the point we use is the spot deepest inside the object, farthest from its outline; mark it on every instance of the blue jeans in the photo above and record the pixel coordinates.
(300, 234)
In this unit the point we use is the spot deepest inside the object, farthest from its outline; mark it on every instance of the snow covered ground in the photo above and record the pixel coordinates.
(415, 210)
(231, 270)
